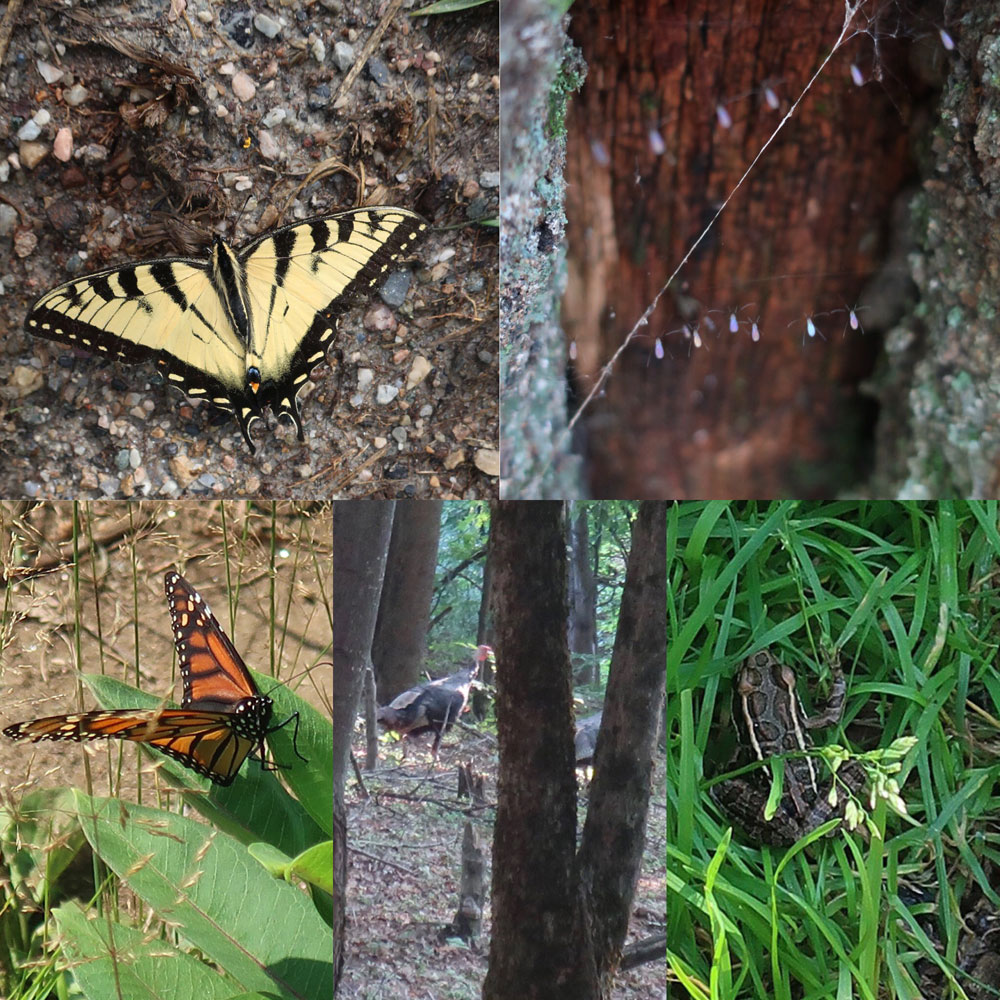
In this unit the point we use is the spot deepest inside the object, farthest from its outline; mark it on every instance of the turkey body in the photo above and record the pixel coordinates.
(586, 739)
(432, 707)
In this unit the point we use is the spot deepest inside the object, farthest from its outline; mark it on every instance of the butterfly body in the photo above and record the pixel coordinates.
(223, 719)
(244, 328)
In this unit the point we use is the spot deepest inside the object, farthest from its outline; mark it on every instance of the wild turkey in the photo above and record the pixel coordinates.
(432, 707)
(586, 739)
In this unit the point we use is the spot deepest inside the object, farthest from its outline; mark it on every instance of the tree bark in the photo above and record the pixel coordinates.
(583, 597)
(399, 649)
(558, 922)
(648, 163)
(938, 431)
(615, 828)
(361, 530)
(532, 952)
(536, 459)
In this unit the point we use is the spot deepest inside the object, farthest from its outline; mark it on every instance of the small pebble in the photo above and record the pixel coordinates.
(269, 149)
(244, 88)
(8, 219)
(419, 370)
(49, 73)
(343, 56)
(488, 460)
(267, 26)
(385, 394)
(393, 291)
(29, 131)
(62, 148)
(378, 70)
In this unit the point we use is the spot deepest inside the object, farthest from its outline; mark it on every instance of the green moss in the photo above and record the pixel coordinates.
(569, 78)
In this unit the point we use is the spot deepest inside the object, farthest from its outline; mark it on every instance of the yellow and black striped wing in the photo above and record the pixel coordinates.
(167, 311)
(244, 328)
(299, 280)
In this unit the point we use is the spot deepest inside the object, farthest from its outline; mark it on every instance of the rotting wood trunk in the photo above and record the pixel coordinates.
(649, 162)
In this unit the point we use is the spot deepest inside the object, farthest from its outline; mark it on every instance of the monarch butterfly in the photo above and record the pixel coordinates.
(224, 717)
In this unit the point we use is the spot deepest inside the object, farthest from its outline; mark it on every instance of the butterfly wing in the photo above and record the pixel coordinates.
(300, 278)
(167, 311)
(242, 330)
(206, 742)
(214, 676)
(224, 717)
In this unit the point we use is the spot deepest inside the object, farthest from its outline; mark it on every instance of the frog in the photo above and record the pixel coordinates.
(769, 721)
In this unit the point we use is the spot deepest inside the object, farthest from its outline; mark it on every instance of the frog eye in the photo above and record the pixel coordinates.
(788, 677)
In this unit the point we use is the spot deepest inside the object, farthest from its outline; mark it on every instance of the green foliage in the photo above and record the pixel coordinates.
(206, 885)
(449, 6)
(905, 594)
(255, 803)
(462, 557)
(610, 523)
(465, 532)
(215, 894)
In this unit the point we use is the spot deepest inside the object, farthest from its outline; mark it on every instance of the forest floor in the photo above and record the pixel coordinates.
(405, 859)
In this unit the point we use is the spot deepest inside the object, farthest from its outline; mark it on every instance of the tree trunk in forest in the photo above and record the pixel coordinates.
(623, 761)
(532, 952)
(674, 109)
(399, 650)
(536, 461)
(484, 629)
(583, 598)
(361, 530)
(938, 434)
(558, 922)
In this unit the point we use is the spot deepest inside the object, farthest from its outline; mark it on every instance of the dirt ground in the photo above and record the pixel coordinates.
(405, 843)
(222, 122)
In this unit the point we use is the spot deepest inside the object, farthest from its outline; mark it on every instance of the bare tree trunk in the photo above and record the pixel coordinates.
(649, 160)
(623, 760)
(938, 432)
(559, 922)
(532, 951)
(400, 646)
(583, 597)
(361, 531)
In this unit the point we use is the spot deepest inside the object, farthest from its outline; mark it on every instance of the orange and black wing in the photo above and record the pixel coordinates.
(214, 675)
(214, 744)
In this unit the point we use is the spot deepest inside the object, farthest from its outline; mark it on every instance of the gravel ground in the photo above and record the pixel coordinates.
(131, 133)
